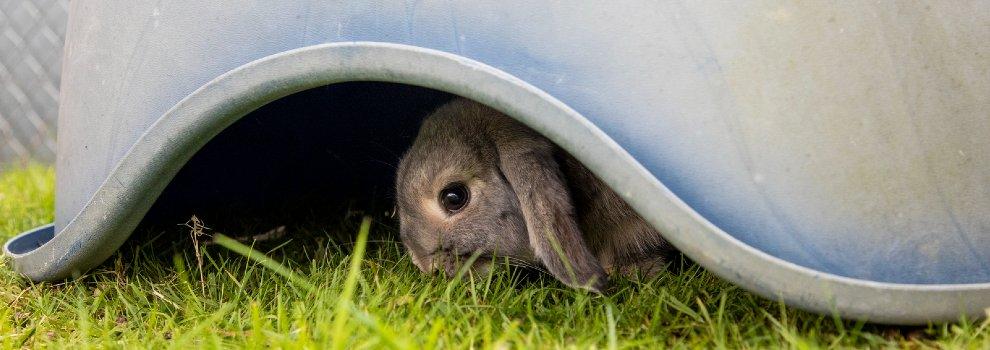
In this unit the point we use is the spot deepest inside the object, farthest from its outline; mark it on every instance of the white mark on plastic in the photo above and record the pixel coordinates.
(780, 15)
(155, 14)
(758, 178)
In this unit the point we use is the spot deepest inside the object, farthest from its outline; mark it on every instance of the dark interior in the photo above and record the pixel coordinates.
(320, 153)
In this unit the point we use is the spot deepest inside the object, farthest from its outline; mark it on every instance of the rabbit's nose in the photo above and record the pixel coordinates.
(444, 264)
(438, 262)
(423, 263)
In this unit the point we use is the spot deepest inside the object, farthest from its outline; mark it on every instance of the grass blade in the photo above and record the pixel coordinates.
(261, 258)
(350, 284)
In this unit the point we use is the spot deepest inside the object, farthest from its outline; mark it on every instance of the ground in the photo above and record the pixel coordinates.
(306, 291)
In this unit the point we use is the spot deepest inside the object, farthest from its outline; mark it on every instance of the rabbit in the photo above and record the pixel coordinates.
(478, 182)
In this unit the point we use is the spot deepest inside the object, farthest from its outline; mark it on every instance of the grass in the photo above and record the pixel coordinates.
(313, 293)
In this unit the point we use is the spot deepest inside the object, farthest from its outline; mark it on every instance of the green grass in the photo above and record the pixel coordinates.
(311, 293)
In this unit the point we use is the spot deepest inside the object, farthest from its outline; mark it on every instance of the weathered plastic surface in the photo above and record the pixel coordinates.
(833, 155)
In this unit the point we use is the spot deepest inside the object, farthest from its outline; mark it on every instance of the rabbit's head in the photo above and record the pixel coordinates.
(477, 184)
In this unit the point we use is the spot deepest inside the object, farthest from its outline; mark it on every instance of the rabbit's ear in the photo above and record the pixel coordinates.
(529, 166)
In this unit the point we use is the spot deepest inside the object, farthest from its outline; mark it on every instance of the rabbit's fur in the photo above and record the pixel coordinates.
(530, 203)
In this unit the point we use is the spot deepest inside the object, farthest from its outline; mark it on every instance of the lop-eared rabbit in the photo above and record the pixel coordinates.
(478, 183)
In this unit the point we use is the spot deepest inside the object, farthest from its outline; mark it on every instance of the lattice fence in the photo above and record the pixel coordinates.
(31, 37)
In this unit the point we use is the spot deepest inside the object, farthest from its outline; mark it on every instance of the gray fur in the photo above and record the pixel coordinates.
(529, 201)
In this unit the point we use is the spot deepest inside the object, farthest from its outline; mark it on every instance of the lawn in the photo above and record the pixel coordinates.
(317, 287)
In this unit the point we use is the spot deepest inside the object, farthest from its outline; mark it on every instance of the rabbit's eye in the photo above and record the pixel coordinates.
(454, 197)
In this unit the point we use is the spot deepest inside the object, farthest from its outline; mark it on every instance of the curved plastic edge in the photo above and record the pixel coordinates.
(28, 241)
(126, 195)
